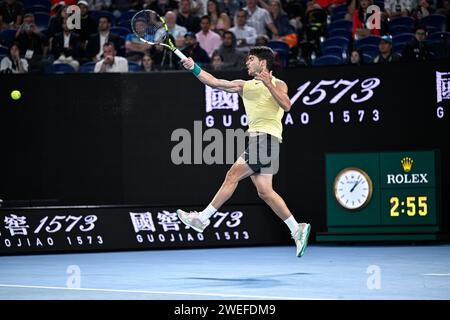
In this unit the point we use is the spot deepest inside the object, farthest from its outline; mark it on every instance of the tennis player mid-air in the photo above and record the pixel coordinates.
(265, 100)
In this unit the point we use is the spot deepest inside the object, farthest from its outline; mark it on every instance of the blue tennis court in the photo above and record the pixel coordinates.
(324, 272)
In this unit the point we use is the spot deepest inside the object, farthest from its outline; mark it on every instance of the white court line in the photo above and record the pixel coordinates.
(222, 295)
(436, 274)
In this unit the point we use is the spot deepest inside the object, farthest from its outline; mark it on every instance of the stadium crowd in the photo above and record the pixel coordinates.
(35, 35)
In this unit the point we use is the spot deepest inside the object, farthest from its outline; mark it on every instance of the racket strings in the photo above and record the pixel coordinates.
(149, 27)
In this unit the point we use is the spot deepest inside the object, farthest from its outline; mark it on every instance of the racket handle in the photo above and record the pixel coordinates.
(180, 54)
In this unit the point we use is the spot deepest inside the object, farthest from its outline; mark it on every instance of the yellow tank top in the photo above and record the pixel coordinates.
(263, 112)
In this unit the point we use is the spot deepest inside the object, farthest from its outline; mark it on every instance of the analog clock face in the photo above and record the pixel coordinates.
(353, 188)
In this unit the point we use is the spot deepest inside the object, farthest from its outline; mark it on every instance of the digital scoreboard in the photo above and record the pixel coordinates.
(383, 196)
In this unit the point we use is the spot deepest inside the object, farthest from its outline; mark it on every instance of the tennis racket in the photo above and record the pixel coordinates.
(150, 28)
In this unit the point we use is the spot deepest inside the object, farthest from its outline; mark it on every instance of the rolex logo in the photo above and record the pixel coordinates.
(407, 163)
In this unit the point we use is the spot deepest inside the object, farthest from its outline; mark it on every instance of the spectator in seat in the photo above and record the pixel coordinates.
(134, 47)
(186, 18)
(99, 5)
(232, 58)
(286, 31)
(66, 47)
(194, 50)
(208, 40)
(147, 63)
(217, 62)
(11, 13)
(162, 6)
(262, 41)
(385, 48)
(55, 23)
(245, 35)
(399, 8)
(165, 59)
(260, 19)
(422, 10)
(360, 17)
(88, 24)
(417, 49)
(94, 47)
(175, 30)
(111, 62)
(355, 58)
(32, 43)
(229, 7)
(56, 5)
(13, 63)
(220, 21)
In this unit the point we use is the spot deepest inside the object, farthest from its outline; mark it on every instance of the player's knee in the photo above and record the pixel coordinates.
(231, 177)
(265, 193)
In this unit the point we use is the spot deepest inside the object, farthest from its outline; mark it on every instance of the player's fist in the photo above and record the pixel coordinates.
(188, 63)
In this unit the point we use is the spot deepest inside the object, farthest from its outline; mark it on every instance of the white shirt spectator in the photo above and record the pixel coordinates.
(120, 65)
(248, 33)
(259, 19)
(390, 5)
(176, 32)
(6, 64)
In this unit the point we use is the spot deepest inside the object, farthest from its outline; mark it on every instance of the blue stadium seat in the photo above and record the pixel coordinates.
(339, 9)
(368, 40)
(402, 21)
(30, 3)
(282, 50)
(334, 41)
(4, 50)
(434, 21)
(87, 67)
(124, 23)
(133, 66)
(402, 38)
(439, 36)
(341, 24)
(279, 45)
(367, 58)
(327, 60)
(440, 50)
(63, 68)
(338, 16)
(121, 31)
(340, 33)
(335, 51)
(37, 8)
(396, 30)
(7, 36)
(41, 19)
(399, 47)
(127, 15)
(370, 49)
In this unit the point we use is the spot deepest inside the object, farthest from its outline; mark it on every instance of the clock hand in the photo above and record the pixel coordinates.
(357, 182)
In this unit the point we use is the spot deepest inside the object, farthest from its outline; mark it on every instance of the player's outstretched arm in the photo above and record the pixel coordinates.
(210, 80)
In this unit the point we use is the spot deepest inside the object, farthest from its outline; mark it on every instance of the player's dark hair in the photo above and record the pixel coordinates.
(263, 53)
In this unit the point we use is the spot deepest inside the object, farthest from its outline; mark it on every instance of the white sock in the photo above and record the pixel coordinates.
(292, 224)
(207, 213)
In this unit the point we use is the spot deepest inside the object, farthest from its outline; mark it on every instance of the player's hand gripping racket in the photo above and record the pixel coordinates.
(150, 28)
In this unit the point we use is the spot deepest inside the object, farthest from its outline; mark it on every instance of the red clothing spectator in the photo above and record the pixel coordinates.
(57, 3)
(359, 22)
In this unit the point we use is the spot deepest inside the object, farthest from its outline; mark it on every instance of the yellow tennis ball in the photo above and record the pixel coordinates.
(15, 94)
